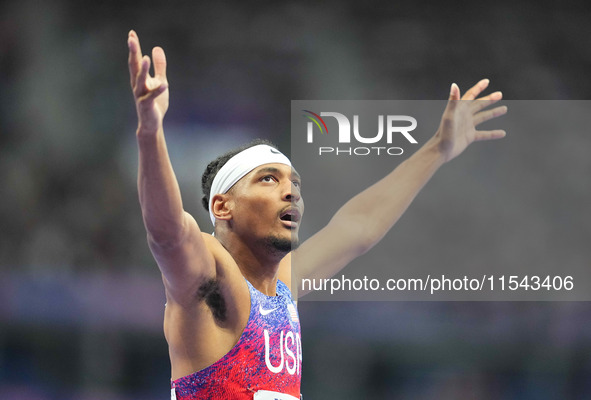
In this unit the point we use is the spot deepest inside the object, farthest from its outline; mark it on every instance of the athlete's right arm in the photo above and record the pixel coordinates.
(173, 235)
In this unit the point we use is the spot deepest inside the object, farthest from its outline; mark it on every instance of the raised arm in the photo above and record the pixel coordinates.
(173, 235)
(366, 218)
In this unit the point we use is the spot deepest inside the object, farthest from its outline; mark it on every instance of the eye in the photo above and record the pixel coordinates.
(297, 184)
(268, 178)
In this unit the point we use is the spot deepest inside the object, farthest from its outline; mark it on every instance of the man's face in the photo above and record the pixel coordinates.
(268, 205)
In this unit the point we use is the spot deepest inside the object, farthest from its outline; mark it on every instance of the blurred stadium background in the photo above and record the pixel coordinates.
(81, 300)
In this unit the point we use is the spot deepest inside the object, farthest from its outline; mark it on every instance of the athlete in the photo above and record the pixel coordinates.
(230, 322)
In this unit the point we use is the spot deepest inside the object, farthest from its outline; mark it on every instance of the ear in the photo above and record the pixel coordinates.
(222, 207)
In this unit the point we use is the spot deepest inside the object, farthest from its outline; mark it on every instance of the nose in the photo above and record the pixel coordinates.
(292, 192)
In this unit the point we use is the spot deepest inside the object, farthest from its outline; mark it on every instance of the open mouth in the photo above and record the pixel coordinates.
(290, 217)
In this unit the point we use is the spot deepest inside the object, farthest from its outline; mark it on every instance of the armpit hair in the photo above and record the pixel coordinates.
(210, 292)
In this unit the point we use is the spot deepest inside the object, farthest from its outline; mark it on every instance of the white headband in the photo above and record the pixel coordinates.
(241, 164)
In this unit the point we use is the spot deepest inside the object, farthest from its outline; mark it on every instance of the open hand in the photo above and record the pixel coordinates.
(461, 117)
(150, 92)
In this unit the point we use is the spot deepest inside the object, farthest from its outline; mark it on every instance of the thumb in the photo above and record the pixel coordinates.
(454, 96)
(159, 60)
(454, 92)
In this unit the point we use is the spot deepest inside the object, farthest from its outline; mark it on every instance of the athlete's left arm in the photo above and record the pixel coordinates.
(366, 218)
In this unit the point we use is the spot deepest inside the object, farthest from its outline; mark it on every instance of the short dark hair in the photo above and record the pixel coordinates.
(213, 167)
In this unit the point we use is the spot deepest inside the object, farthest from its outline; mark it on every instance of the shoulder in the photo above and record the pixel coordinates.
(224, 281)
(211, 241)
(223, 259)
(227, 271)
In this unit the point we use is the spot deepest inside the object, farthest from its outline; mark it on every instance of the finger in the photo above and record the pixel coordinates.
(133, 34)
(454, 92)
(152, 94)
(135, 56)
(486, 101)
(476, 90)
(489, 114)
(489, 135)
(159, 60)
(454, 96)
(140, 83)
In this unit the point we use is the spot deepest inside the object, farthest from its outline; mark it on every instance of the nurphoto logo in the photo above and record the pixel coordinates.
(392, 125)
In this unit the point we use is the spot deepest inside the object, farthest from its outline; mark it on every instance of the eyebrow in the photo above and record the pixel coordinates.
(274, 170)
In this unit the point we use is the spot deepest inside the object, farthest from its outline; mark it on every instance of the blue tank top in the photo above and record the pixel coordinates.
(266, 358)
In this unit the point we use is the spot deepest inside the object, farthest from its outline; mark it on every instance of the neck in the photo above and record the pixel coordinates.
(258, 262)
